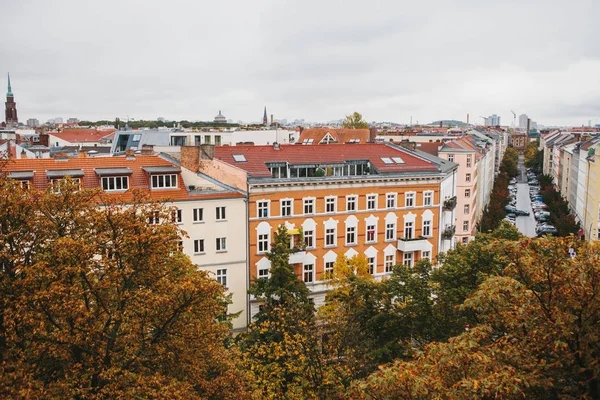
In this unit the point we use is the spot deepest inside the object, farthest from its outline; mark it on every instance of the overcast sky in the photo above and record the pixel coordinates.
(317, 60)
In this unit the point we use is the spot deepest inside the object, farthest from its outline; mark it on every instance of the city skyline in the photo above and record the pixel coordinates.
(312, 61)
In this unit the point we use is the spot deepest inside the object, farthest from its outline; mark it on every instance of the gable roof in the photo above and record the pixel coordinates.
(340, 135)
(79, 135)
(257, 157)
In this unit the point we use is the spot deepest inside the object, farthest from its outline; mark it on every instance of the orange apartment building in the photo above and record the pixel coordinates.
(380, 200)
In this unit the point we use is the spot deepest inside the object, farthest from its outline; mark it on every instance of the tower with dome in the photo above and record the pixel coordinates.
(220, 119)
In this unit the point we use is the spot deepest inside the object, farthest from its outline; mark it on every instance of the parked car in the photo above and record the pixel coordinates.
(522, 212)
(536, 198)
(510, 209)
(547, 230)
(542, 225)
(513, 181)
(512, 215)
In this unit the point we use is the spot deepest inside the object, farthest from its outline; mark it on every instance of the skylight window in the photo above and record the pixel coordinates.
(387, 160)
(354, 141)
(398, 160)
(239, 158)
(308, 141)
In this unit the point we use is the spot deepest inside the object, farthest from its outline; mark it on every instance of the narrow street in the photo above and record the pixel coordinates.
(525, 224)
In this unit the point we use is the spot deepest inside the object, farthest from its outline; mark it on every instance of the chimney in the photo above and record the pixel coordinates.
(190, 157)
(271, 119)
(275, 146)
(147, 150)
(23, 154)
(372, 135)
(60, 155)
(45, 139)
(81, 154)
(441, 124)
(207, 151)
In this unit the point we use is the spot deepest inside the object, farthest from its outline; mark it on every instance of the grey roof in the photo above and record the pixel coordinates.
(444, 164)
(21, 174)
(112, 171)
(161, 170)
(61, 173)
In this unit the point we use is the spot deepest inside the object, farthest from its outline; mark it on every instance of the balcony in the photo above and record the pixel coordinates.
(449, 204)
(297, 256)
(448, 232)
(414, 244)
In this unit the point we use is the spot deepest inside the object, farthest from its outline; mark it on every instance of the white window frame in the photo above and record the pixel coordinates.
(374, 238)
(330, 201)
(328, 269)
(222, 276)
(468, 177)
(391, 200)
(352, 199)
(198, 215)
(428, 198)
(409, 197)
(261, 274)
(308, 270)
(408, 258)
(220, 213)
(263, 243)
(121, 180)
(286, 204)
(467, 193)
(199, 246)
(390, 261)
(409, 226)
(372, 265)
(221, 244)
(309, 239)
(451, 157)
(263, 208)
(427, 224)
(390, 229)
(371, 202)
(465, 226)
(426, 254)
(308, 202)
(351, 230)
(178, 216)
(169, 181)
(332, 235)
(468, 160)
(154, 218)
(467, 209)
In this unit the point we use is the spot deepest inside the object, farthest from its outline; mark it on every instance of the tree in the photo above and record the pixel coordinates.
(282, 347)
(117, 123)
(354, 121)
(97, 303)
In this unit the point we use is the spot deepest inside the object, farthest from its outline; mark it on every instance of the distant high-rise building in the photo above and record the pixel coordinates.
(72, 121)
(33, 122)
(265, 119)
(492, 120)
(57, 120)
(11, 107)
(523, 122)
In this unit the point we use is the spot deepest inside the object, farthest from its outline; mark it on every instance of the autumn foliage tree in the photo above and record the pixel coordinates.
(97, 303)
(354, 121)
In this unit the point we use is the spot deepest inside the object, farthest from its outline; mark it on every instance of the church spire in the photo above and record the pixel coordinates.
(265, 119)
(9, 93)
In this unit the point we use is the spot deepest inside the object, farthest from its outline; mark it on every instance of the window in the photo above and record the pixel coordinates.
(371, 263)
(263, 209)
(407, 259)
(451, 157)
(409, 199)
(427, 228)
(207, 139)
(56, 184)
(177, 216)
(110, 183)
(427, 198)
(465, 240)
(199, 246)
(164, 181)
(309, 239)
(198, 215)
(468, 178)
(386, 160)
(154, 218)
(390, 200)
(217, 140)
(24, 185)
(371, 202)
(264, 273)
(468, 161)
(408, 230)
(330, 203)
(286, 208)
(330, 237)
(426, 254)
(309, 206)
(351, 203)
(370, 233)
(390, 231)
(220, 213)
(263, 243)
(222, 276)
(467, 192)
(389, 262)
(222, 244)
(308, 273)
(180, 246)
(466, 208)
(350, 235)
(465, 226)
(328, 269)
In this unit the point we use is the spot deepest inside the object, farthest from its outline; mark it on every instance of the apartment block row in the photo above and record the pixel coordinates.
(570, 160)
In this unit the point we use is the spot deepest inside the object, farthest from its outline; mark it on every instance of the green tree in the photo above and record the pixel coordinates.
(97, 303)
(117, 123)
(354, 121)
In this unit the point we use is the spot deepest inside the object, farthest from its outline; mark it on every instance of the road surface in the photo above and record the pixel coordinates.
(525, 224)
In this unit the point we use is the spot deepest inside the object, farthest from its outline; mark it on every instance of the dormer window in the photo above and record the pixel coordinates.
(163, 177)
(24, 178)
(56, 178)
(114, 179)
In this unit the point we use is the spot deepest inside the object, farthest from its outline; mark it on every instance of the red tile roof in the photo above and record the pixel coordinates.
(257, 157)
(139, 179)
(340, 135)
(79, 135)
(429, 147)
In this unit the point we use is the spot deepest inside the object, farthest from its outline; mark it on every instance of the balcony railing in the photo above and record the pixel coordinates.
(448, 232)
(414, 244)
